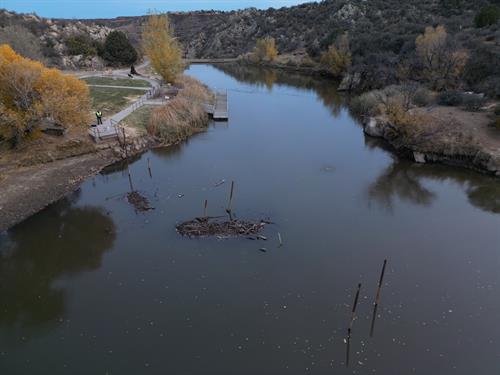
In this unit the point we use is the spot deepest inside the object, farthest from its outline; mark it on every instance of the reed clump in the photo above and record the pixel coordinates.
(183, 115)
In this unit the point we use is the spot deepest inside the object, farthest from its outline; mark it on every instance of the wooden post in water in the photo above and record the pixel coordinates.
(230, 205)
(130, 180)
(356, 298)
(348, 348)
(149, 169)
(349, 329)
(377, 298)
(205, 216)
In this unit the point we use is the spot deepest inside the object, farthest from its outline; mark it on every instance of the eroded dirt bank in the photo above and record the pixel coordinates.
(449, 138)
(25, 191)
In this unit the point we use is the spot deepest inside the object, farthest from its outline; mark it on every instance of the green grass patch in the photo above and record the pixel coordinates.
(140, 118)
(112, 100)
(110, 81)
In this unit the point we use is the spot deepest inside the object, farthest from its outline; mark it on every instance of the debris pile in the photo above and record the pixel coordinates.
(204, 227)
(139, 201)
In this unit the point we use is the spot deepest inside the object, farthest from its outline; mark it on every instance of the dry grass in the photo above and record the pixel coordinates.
(182, 116)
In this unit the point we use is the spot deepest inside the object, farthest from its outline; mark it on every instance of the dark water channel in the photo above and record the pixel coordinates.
(89, 286)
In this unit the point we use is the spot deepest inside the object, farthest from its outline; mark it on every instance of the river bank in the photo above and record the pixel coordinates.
(48, 169)
(27, 190)
(446, 135)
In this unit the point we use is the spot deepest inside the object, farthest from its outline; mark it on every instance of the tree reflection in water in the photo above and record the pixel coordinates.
(61, 241)
(268, 77)
(403, 179)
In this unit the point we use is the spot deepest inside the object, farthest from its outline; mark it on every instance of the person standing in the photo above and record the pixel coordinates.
(98, 114)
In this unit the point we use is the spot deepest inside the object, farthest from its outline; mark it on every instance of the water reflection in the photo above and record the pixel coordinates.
(404, 180)
(399, 180)
(266, 77)
(59, 242)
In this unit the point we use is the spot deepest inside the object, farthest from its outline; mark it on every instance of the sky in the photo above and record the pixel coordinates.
(115, 8)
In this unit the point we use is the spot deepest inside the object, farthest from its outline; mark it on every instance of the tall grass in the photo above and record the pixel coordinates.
(183, 115)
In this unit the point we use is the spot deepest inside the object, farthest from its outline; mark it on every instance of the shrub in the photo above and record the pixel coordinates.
(473, 102)
(22, 41)
(338, 58)
(442, 61)
(496, 111)
(490, 86)
(265, 50)
(496, 123)
(487, 16)
(80, 44)
(118, 49)
(423, 97)
(365, 105)
(450, 98)
(183, 115)
(482, 65)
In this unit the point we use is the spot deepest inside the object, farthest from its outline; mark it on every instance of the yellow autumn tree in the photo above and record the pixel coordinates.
(265, 50)
(442, 61)
(31, 93)
(338, 58)
(161, 47)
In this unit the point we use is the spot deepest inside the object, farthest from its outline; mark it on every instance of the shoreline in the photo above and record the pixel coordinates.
(28, 190)
(32, 189)
(456, 151)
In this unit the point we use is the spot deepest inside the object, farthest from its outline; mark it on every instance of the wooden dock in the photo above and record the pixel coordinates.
(219, 111)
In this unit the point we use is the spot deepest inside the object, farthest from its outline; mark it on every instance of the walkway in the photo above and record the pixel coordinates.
(109, 129)
(122, 87)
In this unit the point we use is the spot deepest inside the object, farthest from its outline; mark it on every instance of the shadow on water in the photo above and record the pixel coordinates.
(404, 180)
(268, 78)
(61, 241)
(121, 165)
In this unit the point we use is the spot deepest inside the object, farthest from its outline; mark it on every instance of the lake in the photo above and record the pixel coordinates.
(90, 286)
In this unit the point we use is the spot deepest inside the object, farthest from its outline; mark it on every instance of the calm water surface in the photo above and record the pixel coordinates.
(89, 286)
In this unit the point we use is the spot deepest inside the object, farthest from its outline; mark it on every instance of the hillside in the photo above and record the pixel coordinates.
(381, 32)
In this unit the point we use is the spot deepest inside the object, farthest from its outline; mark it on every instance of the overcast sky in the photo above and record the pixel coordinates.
(114, 8)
